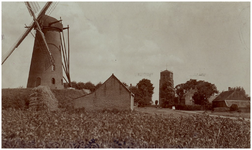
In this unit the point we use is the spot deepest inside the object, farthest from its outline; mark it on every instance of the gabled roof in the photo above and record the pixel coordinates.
(113, 76)
(223, 96)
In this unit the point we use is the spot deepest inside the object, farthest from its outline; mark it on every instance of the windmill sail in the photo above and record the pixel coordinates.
(32, 25)
(33, 7)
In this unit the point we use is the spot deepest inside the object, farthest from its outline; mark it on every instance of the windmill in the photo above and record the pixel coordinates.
(50, 56)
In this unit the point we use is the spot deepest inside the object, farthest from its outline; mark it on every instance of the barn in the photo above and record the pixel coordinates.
(227, 98)
(111, 94)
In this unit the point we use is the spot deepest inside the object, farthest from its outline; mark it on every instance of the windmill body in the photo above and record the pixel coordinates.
(42, 72)
(49, 50)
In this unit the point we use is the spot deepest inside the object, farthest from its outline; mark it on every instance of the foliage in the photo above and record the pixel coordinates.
(204, 90)
(15, 98)
(19, 98)
(74, 84)
(183, 88)
(240, 90)
(234, 107)
(98, 85)
(144, 92)
(89, 86)
(167, 94)
(63, 129)
(80, 85)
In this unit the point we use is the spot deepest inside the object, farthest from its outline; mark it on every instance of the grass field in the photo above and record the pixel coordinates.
(66, 129)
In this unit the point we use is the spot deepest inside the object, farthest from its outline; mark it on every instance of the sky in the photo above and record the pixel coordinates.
(134, 40)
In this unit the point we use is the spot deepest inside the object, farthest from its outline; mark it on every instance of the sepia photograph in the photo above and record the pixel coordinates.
(131, 74)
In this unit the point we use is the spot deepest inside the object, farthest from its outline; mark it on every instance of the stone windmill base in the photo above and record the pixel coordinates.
(42, 98)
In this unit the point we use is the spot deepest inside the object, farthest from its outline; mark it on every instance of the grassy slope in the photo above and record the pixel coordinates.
(19, 97)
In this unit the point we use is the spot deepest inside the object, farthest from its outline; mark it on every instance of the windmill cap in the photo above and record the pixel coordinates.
(50, 22)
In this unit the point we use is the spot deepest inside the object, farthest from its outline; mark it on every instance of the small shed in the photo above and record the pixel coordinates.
(111, 94)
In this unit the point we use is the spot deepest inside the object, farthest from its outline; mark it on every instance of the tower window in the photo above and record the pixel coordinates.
(53, 67)
(53, 81)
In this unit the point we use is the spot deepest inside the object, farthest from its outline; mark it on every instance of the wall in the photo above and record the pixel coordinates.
(111, 94)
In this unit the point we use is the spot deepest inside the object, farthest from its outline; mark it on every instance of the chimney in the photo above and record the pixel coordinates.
(229, 88)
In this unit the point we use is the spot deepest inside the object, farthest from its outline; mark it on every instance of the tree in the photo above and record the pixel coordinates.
(73, 84)
(98, 85)
(167, 94)
(180, 91)
(144, 92)
(204, 91)
(80, 85)
(89, 86)
(183, 88)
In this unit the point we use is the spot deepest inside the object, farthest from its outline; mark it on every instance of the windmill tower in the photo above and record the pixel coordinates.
(49, 50)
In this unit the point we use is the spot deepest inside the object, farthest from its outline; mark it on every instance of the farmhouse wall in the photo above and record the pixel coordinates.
(111, 94)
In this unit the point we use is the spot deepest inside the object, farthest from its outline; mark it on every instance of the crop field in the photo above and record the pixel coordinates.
(120, 129)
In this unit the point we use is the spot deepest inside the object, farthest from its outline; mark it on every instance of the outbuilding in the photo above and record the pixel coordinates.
(111, 94)
(232, 96)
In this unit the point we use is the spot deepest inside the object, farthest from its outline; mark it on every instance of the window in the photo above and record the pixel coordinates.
(53, 81)
(53, 67)
(62, 81)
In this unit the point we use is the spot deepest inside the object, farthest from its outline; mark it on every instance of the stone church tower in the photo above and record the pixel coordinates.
(165, 76)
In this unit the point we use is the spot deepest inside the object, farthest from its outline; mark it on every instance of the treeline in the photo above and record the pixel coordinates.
(81, 85)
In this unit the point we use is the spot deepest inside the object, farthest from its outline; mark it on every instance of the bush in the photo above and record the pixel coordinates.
(15, 98)
(234, 107)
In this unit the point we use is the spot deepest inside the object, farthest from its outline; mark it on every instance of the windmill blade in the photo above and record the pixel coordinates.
(39, 29)
(32, 7)
(42, 12)
(18, 42)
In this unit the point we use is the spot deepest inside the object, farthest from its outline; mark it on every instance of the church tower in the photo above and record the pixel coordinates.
(165, 76)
